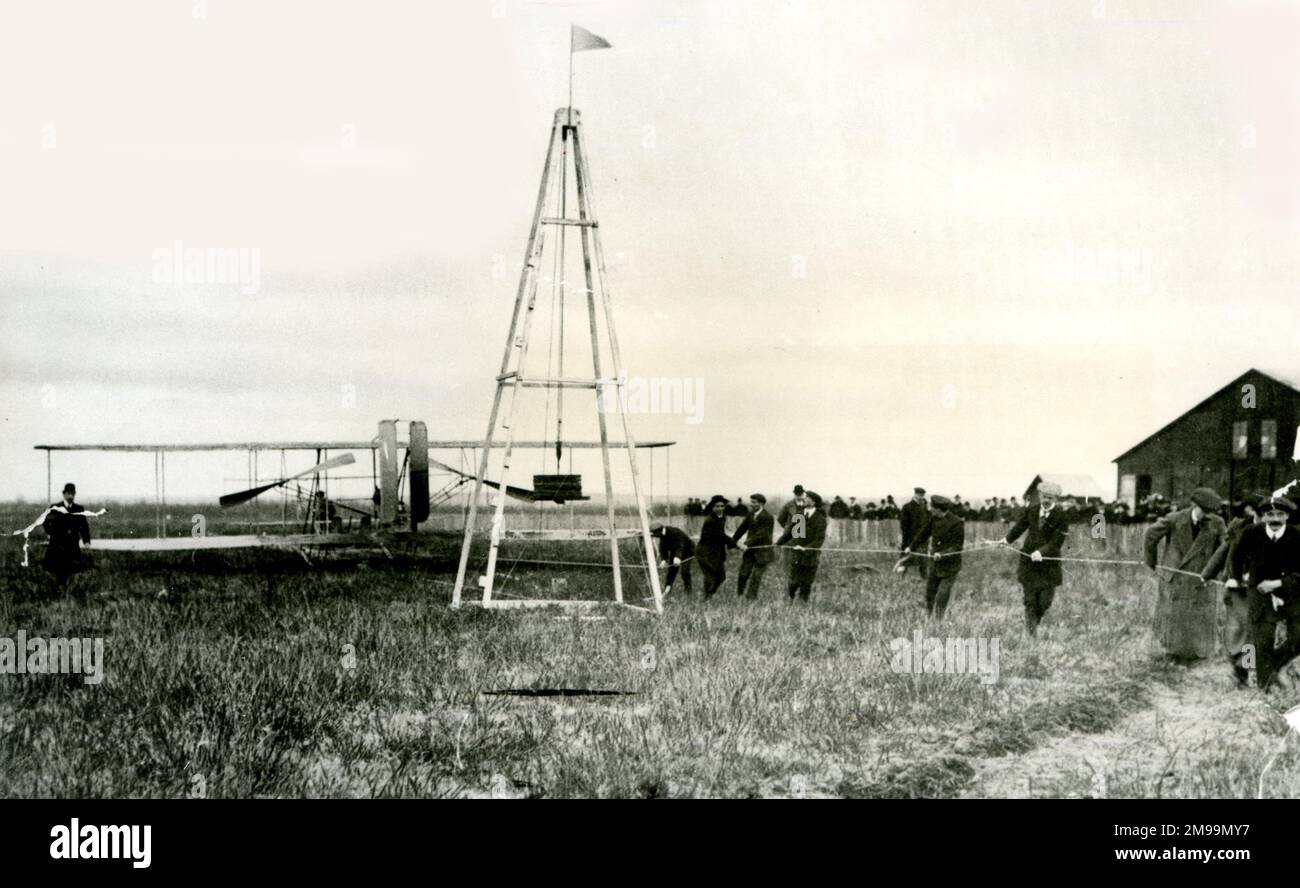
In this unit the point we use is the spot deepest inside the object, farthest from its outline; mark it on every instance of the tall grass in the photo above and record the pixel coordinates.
(250, 674)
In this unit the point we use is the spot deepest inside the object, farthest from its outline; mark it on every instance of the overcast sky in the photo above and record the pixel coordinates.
(945, 243)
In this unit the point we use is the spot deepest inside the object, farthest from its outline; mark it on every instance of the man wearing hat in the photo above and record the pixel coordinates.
(793, 507)
(676, 551)
(912, 520)
(757, 530)
(1236, 600)
(66, 531)
(805, 533)
(711, 551)
(1045, 528)
(1185, 614)
(1267, 563)
(947, 535)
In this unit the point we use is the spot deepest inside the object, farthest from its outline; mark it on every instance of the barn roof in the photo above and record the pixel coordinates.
(1233, 384)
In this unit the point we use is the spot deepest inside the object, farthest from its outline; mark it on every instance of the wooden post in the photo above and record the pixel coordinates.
(499, 516)
(601, 400)
(586, 210)
(524, 276)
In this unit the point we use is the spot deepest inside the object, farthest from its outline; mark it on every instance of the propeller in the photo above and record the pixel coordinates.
(519, 493)
(234, 499)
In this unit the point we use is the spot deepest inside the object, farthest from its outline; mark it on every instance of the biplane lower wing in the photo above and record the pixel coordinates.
(231, 541)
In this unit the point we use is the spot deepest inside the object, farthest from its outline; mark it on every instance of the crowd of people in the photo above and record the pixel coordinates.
(1250, 548)
(1078, 510)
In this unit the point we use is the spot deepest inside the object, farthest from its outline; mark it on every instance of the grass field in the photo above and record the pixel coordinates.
(250, 674)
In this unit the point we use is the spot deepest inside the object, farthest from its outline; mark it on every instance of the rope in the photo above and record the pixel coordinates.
(987, 547)
(26, 531)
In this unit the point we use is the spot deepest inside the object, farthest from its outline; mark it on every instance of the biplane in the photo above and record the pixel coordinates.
(401, 474)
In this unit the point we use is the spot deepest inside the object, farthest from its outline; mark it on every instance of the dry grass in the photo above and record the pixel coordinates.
(236, 683)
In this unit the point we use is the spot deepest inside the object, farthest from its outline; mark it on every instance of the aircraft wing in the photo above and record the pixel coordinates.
(231, 541)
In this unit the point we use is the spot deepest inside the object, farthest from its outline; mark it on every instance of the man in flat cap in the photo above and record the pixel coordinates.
(805, 533)
(1236, 599)
(1045, 528)
(947, 535)
(711, 550)
(1267, 563)
(66, 531)
(756, 530)
(676, 551)
(1185, 614)
(912, 520)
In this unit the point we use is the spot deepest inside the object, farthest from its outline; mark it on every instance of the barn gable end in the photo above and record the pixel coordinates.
(1239, 439)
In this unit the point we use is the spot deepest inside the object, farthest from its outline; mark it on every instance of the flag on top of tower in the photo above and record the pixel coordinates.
(581, 38)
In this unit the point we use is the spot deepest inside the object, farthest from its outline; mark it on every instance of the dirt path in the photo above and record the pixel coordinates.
(1148, 752)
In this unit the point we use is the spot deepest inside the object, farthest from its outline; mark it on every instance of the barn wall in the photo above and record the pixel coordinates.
(1196, 450)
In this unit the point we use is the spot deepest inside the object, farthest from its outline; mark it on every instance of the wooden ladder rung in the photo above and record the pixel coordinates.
(557, 383)
(553, 220)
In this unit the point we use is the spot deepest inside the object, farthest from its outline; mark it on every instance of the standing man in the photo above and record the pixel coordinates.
(711, 551)
(1236, 600)
(676, 550)
(66, 531)
(912, 520)
(807, 533)
(1267, 562)
(838, 512)
(794, 506)
(856, 515)
(947, 534)
(1045, 529)
(757, 529)
(1185, 613)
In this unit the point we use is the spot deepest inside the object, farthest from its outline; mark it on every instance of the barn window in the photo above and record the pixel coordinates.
(1268, 439)
(1239, 440)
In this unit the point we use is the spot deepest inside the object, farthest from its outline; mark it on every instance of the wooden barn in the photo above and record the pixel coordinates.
(1239, 439)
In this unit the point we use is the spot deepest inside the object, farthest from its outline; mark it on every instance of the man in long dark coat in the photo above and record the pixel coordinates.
(66, 531)
(1267, 562)
(711, 550)
(757, 531)
(947, 535)
(911, 521)
(806, 533)
(1045, 529)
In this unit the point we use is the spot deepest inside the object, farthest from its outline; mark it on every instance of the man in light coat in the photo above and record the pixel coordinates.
(1185, 617)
